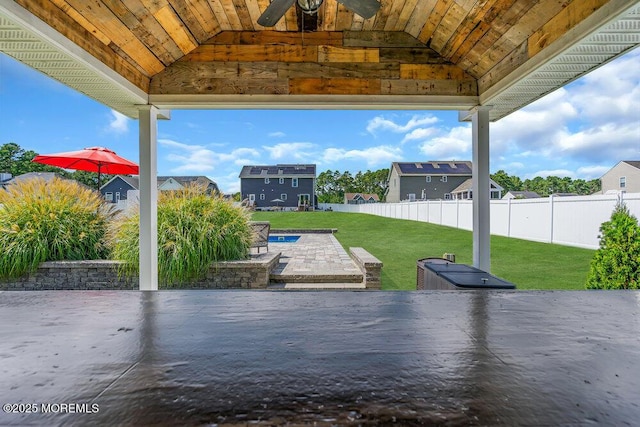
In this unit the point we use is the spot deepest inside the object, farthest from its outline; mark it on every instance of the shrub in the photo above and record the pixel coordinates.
(194, 230)
(616, 264)
(50, 221)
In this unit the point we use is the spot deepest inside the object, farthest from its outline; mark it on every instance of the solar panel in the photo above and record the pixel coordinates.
(435, 168)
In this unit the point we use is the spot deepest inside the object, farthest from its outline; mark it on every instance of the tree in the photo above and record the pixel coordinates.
(616, 264)
(509, 183)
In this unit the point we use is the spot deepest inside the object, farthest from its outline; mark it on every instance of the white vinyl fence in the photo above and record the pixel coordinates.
(571, 221)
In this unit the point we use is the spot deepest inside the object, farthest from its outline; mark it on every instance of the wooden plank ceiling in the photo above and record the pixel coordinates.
(410, 47)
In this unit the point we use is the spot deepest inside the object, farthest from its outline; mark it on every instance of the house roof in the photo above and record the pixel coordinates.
(524, 194)
(134, 181)
(365, 196)
(437, 54)
(634, 163)
(278, 171)
(468, 185)
(47, 176)
(437, 168)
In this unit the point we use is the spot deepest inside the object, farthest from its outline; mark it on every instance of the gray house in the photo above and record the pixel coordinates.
(284, 186)
(116, 189)
(426, 180)
(625, 177)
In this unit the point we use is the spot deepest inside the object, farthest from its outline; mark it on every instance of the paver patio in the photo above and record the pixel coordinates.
(315, 261)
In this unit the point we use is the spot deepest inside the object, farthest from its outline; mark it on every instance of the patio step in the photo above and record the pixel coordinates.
(317, 286)
(316, 278)
(328, 272)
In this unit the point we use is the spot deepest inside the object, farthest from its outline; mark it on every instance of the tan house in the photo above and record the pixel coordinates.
(360, 198)
(623, 177)
(465, 190)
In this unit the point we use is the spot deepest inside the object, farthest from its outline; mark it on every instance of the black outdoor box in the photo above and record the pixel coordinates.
(449, 276)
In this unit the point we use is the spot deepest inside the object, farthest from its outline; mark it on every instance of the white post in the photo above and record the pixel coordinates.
(551, 214)
(148, 133)
(481, 190)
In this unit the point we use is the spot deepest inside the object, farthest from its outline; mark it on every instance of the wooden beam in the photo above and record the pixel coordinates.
(267, 37)
(380, 39)
(433, 71)
(249, 53)
(322, 86)
(339, 54)
(430, 87)
(338, 70)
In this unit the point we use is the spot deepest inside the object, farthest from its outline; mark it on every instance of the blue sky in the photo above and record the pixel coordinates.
(579, 131)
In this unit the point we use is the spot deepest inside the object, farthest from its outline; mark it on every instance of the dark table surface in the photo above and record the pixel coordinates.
(329, 358)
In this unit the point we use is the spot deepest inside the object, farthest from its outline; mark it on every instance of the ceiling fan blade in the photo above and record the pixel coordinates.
(364, 8)
(274, 12)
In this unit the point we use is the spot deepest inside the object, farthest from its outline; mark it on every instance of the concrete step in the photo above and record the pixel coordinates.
(316, 278)
(317, 286)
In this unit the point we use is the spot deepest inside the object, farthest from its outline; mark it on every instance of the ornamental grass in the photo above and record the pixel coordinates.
(195, 229)
(50, 221)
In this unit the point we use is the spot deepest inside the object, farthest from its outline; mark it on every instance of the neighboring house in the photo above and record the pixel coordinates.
(465, 190)
(4, 179)
(117, 188)
(521, 195)
(46, 176)
(623, 177)
(426, 180)
(284, 186)
(360, 198)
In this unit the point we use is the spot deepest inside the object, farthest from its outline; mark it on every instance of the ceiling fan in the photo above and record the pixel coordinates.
(277, 9)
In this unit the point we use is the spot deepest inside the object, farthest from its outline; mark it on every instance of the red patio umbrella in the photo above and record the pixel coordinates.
(92, 159)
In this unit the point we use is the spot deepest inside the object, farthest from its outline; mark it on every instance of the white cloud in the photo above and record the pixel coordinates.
(119, 123)
(592, 172)
(455, 145)
(418, 134)
(382, 123)
(277, 134)
(198, 159)
(593, 121)
(373, 156)
(294, 151)
(556, 172)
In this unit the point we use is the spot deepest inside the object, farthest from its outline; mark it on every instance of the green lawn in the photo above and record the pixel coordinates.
(400, 243)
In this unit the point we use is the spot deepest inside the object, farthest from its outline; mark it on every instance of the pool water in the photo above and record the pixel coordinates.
(283, 239)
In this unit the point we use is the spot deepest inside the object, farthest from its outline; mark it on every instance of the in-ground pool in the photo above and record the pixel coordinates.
(283, 239)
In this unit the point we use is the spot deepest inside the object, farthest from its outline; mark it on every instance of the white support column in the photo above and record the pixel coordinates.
(148, 135)
(481, 190)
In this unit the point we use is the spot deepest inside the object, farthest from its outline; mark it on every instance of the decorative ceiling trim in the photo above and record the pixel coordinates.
(29, 40)
(579, 52)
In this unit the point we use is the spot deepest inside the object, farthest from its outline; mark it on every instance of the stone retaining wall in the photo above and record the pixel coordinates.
(370, 266)
(103, 275)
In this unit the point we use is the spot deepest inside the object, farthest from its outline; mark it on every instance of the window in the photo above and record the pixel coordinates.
(623, 181)
(262, 196)
(281, 180)
(447, 196)
(294, 182)
(252, 197)
(412, 197)
(283, 196)
(444, 178)
(266, 180)
(429, 178)
(108, 196)
(117, 196)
